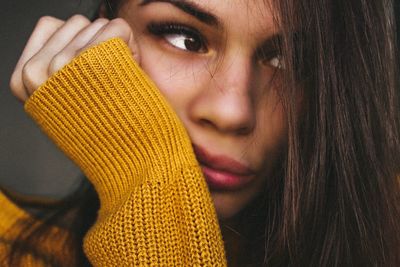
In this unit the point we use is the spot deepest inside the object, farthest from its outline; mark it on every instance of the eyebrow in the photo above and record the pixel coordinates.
(189, 8)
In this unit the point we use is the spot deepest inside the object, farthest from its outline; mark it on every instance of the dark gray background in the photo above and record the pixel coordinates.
(29, 162)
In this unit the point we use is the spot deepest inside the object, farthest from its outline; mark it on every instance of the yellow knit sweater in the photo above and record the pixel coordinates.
(110, 119)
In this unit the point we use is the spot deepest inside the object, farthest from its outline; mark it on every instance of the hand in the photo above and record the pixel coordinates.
(54, 43)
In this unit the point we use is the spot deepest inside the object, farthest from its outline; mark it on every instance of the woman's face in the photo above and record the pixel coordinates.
(216, 63)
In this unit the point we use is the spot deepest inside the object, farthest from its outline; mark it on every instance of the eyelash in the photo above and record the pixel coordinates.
(166, 30)
(170, 29)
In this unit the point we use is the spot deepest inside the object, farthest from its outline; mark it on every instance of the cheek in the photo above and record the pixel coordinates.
(176, 78)
(275, 123)
(270, 136)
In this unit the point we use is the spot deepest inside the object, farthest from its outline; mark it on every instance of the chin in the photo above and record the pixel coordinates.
(229, 204)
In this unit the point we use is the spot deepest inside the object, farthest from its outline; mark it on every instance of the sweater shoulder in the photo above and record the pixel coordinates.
(10, 214)
(13, 220)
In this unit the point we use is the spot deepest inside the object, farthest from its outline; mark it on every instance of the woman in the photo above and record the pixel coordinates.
(288, 109)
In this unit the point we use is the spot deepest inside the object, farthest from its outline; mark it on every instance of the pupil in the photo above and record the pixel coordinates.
(192, 45)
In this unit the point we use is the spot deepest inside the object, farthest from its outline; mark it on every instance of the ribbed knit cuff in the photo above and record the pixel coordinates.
(110, 119)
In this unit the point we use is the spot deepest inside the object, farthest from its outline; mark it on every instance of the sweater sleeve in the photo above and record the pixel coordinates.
(110, 119)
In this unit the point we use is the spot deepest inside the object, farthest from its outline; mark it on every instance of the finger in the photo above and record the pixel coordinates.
(79, 41)
(116, 28)
(35, 71)
(44, 29)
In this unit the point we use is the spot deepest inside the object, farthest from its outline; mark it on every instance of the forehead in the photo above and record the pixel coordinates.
(253, 17)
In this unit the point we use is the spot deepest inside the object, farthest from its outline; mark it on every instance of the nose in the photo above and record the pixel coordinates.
(225, 100)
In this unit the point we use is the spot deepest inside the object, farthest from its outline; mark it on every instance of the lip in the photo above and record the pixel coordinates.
(222, 172)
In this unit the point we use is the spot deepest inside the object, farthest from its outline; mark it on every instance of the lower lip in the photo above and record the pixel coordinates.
(221, 180)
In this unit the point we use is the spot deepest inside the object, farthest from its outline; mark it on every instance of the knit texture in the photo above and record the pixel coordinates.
(111, 120)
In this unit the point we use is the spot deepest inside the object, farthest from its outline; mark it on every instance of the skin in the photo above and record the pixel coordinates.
(226, 94)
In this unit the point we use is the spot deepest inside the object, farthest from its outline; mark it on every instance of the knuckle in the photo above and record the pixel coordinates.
(79, 19)
(101, 20)
(14, 84)
(45, 20)
(30, 74)
(119, 25)
(58, 62)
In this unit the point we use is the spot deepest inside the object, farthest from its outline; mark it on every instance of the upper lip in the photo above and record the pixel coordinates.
(221, 163)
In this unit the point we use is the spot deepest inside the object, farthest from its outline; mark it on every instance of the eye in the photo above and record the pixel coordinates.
(180, 36)
(270, 53)
(184, 42)
(275, 62)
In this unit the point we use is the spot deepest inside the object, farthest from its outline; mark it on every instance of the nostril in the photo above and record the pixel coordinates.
(207, 123)
(227, 128)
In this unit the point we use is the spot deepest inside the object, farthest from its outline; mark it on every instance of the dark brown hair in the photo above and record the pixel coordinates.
(336, 200)
(340, 204)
